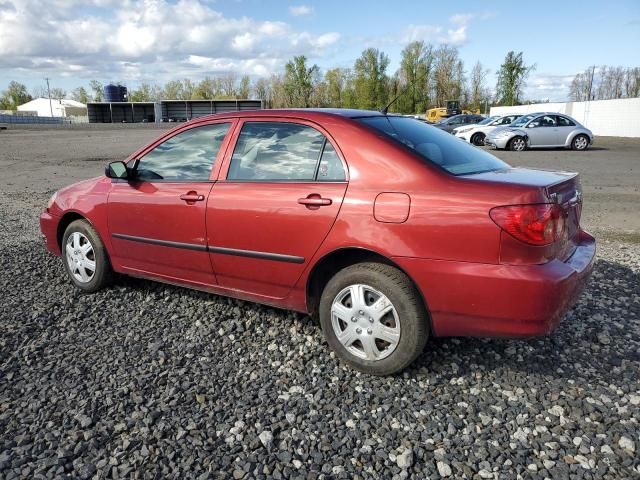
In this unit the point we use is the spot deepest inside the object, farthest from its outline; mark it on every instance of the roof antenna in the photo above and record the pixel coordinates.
(402, 92)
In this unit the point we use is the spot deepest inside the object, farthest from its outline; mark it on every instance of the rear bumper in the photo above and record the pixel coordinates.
(49, 228)
(470, 299)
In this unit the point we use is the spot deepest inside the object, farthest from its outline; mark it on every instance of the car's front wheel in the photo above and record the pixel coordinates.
(85, 258)
(580, 142)
(478, 139)
(517, 144)
(373, 318)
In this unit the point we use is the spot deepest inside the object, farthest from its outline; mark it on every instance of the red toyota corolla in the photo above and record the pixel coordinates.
(385, 228)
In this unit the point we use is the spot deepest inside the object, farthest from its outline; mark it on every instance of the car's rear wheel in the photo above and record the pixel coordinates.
(478, 139)
(580, 142)
(518, 144)
(373, 318)
(85, 258)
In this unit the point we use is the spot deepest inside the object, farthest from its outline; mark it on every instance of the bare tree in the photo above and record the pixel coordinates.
(448, 74)
(478, 90)
(228, 85)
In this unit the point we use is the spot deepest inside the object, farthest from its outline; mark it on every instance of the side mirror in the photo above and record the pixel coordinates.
(117, 170)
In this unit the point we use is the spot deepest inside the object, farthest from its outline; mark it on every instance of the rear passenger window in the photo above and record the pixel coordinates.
(279, 151)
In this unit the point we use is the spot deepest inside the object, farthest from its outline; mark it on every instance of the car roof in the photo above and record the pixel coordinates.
(300, 113)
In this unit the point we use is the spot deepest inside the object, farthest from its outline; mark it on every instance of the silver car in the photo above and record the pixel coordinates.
(543, 129)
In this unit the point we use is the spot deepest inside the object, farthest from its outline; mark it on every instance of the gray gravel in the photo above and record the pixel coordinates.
(145, 380)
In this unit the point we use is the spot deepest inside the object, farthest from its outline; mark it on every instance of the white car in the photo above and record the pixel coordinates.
(476, 133)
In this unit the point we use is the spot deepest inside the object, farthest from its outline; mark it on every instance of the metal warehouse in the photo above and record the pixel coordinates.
(164, 110)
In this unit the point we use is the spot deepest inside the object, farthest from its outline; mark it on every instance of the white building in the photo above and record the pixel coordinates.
(61, 108)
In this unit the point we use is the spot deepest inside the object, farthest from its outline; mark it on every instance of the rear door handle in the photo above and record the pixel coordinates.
(191, 197)
(314, 201)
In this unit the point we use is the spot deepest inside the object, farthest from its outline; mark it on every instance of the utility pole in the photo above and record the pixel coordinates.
(593, 72)
(49, 94)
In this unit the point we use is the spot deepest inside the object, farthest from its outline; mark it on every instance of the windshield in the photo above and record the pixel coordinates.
(432, 144)
(488, 120)
(522, 120)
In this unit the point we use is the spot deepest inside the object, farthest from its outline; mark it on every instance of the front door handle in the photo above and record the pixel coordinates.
(314, 201)
(191, 197)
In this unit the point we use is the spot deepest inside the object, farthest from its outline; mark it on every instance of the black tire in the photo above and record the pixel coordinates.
(514, 144)
(103, 274)
(412, 314)
(478, 139)
(578, 145)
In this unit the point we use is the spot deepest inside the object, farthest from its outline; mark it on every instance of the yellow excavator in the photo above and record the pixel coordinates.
(453, 108)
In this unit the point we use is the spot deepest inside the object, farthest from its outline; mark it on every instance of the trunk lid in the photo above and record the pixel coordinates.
(559, 187)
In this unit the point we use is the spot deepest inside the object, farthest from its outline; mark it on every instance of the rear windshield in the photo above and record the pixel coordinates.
(439, 147)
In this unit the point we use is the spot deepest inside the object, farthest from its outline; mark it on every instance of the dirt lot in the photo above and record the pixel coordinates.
(146, 380)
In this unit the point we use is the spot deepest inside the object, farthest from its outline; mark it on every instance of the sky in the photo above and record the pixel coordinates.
(134, 41)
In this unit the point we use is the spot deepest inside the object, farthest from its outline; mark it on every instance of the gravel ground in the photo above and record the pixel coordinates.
(145, 380)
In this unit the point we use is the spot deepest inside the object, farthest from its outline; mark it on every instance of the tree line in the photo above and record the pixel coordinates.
(606, 83)
(428, 76)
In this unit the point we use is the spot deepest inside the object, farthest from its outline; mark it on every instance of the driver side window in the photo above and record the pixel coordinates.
(187, 156)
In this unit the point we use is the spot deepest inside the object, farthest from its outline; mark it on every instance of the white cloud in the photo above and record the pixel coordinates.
(554, 87)
(152, 39)
(456, 34)
(300, 10)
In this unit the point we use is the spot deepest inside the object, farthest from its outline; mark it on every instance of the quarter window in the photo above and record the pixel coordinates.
(330, 169)
(565, 122)
(280, 151)
(188, 155)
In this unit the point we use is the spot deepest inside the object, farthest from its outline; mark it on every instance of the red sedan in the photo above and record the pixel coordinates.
(386, 229)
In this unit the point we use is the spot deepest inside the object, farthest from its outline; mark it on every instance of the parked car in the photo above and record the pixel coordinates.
(448, 124)
(476, 133)
(544, 129)
(384, 228)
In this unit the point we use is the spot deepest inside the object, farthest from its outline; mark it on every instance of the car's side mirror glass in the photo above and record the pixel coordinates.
(117, 170)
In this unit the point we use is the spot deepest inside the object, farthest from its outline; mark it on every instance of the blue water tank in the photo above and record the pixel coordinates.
(115, 93)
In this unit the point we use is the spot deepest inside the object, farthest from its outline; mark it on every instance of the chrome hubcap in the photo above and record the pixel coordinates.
(365, 322)
(581, 143)
(518, 144)
(81, 258)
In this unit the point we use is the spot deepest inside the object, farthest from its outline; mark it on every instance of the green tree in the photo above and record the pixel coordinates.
(299, 80)
(16, 94)
(80, 95)
(512, 78)
(339, 87)
(244, 89)
(96, 88)
(207, 89)
(145, 93)
(414, 74)
(370, 79)
(173, 90)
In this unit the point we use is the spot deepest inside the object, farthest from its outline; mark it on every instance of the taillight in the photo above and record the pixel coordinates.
(539, 224)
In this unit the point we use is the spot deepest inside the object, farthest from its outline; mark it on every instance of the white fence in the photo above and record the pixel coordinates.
(614, 118)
